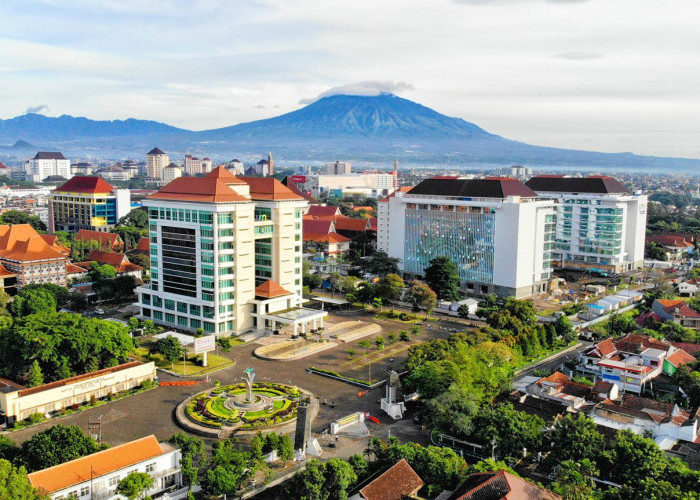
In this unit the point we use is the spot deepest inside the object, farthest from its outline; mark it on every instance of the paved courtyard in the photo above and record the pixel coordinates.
(152, 412)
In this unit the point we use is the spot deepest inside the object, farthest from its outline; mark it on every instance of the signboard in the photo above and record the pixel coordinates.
(204, 344)
(299, 179)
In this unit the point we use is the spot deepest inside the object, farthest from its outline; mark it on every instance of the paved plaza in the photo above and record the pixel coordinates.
(152, 412)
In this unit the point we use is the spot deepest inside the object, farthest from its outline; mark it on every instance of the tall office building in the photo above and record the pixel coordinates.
(45, 164)
(496, 230)
(87, 203)
(600, 223)
(338, 168)
(194, 165)
(226, 254)
(156, 161)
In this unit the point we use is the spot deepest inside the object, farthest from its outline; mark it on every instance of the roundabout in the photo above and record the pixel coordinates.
(249, 406)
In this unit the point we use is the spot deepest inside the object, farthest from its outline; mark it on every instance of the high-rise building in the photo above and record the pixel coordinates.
(194, 165)
(366, 183)
(496, 230)
(600, 223)
(338, 168)
(87, 203)
(156, 161)
(45, 164)
(170, 173)
(226, 255)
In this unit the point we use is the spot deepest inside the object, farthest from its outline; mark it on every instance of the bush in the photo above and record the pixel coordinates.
(391, 337)
(404, 335)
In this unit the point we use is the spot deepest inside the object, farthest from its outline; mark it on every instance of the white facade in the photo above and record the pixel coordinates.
(194, 165)
(208, 257)
(156, 161)
(369, 184)
(45, 164)
(171, 173)
(500, 245)
(600, 230)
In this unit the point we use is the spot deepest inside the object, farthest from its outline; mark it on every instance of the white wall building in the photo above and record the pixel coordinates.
(171, 172)
(45, 164)
(156, 161)
(194, 165)
(96, 476)
(366, 184)
(600, 223)
(215, 241)
(496, 230)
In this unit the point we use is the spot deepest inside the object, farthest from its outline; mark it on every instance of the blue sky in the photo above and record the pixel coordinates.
(608, 75)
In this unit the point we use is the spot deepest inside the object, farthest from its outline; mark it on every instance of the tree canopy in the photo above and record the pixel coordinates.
(443, 278)
(12, 217)
(137, 218)
(380, 264)
(54, 446)
(135, 485)
(14, 484)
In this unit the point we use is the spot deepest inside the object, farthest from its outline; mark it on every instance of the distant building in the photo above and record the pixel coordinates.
(156, 161)
(338, 168)
(114, 174)
(600, 223)
(499, 485)
(119, 261)
(110, 242)
(373, 184)
(81, 168)
(46, 164)
(26, 254)
(171, 172)
(496, 230)
(97, 475)
(236, 167)
(87, 203)
(264, 168)
(677, 311)
(193, 165)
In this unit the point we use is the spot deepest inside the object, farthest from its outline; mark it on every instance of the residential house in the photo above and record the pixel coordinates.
(688, 288)
(677, 311)
(398, 482)
(97, 475)
(119, 261)
(674, 245)
(498, 485)
(108, 241)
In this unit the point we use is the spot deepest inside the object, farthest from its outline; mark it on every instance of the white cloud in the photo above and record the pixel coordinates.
(363, 89)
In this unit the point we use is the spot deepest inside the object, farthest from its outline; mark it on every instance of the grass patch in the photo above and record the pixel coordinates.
(188, 368)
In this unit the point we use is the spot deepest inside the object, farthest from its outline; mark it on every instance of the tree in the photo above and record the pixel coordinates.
(655, 251)
(510, 429)
(443, 277)
(620, 324)
(14, 484)
(463, 311)
(564, 329)
(55, 445)
(138, 217)
(12, 217)
(312, 281)
(422, 297)
(135, 485)
(339, 477)
(322, 481)
(389, 287)
(4, 301)
(193, 457)
(488, 305)
(380, 264)
(140, 260)
(123, 286)
(101, 272)
(224, 343)
(130, 235)
(8, 450)
(33, 301)
(285, 448)
(134, 325)
(574, 479)
(169, 347)
(35, 377)
(575, 438)
(634, 456)
(490, 465)
(230, 466)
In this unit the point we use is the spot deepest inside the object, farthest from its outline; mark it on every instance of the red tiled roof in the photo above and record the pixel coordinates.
(314, 226)
(4, 273)
(212, 188)
(326, 237)
(680, 357)
(269, 188)
(144, 244)
(692, 349)
(118, 261)
(86, 185)
(500, 485)
(270, 290)
(73, 269)
(634, 343)
(373, 223)
(96, 465)
(606, 347)
(350, 224)
(317, 210)
(397, 482)
(555, 378)
(669, 240)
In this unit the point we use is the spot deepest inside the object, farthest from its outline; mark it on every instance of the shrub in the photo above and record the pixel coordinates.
(404, 335)
(391, 337)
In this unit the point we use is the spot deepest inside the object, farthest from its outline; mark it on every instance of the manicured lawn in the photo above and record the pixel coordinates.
(188, 368)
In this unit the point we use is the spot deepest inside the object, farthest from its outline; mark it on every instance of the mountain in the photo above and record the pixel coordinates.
(376, 128)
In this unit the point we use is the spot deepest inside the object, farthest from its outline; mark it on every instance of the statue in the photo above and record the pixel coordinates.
(248, 377)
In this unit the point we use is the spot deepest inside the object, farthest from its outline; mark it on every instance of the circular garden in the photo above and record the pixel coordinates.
(227, 406)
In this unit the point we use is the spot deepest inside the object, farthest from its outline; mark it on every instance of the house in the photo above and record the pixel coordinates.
(677, 311)
(97, 475)
(676, 360)
(629, 362)
(396, 483)
(320, 235)
(675, 246)
(108, 241)
(688, 288)
(25, 254)
(499, 485)
(142, 248)
(558, 387)
(119, 261)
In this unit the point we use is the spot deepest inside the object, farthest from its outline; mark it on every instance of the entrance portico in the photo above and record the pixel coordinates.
(275, 308)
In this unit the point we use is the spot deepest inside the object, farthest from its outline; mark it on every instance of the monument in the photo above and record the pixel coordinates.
(248, 378)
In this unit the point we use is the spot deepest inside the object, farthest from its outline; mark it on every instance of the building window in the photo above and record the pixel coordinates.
(170, 304)
(84, 491)
(181, 307)
(113, 481)
(194, 310)
(195, 323)
(150, 467)
(225, 218)
(182, 321)
(209, 327)
(169, 318)
(157, 315)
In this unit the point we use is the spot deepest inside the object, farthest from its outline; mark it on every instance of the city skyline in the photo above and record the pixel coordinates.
(572, 74)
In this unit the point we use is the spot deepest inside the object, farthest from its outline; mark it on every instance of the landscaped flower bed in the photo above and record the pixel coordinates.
(216, 408)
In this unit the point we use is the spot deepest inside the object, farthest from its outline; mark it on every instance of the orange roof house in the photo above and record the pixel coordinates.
(119, 261)
(79, 184)
(319, 210)
(500, 485)
(107, 240)
(25, 253)
(102, 463)
(397, 482)
(53, 242)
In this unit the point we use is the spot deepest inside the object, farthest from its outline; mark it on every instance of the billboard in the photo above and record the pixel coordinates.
(205, 344)
(300, 179)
